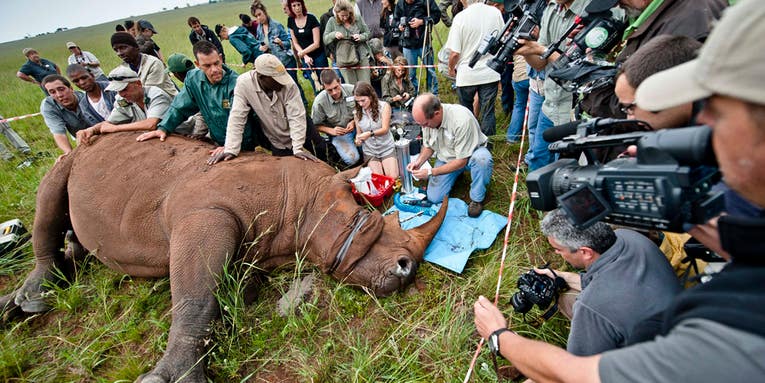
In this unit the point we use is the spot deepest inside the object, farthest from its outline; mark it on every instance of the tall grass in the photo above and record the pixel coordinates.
(107, 327)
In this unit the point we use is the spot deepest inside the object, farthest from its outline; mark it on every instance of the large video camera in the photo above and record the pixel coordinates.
(581, 62)
(524, 18)
(669, 182)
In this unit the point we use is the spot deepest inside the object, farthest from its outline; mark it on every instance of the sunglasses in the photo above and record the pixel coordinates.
(122, 78)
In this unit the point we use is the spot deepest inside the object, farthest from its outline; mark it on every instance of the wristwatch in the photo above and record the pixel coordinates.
(494, 340)
(430, 172)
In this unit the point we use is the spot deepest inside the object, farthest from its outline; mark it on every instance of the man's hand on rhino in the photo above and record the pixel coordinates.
(159, 133)
(218, 154)
(84, 136)
(304, 155)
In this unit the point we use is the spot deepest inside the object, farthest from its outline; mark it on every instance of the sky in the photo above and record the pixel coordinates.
(21, 18)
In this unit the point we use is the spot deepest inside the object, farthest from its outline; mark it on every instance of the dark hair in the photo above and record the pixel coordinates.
(193, 20)
(328, 76)
(55, 77)
(218, 28)
(385, 11)
(659, 54)
(74, 68)
(246, 20)
(258, 5)
(302, 4)
(119, 28)
(430, 105)
(365, 89)
(129, 24)
(204, 47)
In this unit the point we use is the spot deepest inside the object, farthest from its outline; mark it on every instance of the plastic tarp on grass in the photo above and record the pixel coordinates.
(459, 234)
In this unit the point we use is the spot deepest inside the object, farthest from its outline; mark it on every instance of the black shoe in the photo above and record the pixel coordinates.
(475, 209)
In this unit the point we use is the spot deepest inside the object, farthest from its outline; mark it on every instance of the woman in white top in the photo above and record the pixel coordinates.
(372, 118)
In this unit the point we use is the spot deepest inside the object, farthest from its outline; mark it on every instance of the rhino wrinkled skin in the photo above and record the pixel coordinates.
(155, 209)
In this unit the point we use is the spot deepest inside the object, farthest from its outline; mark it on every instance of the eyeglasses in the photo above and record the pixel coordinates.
(122, 78)
(627, 108)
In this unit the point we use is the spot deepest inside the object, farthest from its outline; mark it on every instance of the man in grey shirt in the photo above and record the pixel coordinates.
(713, 332)
(626, 280)
(332, 114)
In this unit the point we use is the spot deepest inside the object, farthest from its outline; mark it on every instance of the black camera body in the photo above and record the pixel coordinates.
(667, 185)
(407, 32)
(537, 289)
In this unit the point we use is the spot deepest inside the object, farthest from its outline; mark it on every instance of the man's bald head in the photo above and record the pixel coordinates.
(427, 110)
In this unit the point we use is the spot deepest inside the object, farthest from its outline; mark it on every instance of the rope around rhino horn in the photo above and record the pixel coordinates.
(361, 218)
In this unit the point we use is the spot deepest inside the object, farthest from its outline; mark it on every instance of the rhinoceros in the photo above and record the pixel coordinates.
(155, 209)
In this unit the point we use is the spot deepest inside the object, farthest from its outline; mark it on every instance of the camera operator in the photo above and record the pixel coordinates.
(557, 106)
(712, 332)
(691, 18)
(418, 16)
(626, 279)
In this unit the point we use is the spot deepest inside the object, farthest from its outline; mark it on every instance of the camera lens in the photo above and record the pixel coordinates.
(520, 304)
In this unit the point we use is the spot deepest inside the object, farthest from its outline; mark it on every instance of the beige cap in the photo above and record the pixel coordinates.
(120, 77)
(70, 45)
(731, 63)
(27, 51)
(269, 65)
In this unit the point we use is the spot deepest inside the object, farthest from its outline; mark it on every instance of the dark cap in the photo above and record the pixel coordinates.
(145, 24)
(597, 6)
(123, 38)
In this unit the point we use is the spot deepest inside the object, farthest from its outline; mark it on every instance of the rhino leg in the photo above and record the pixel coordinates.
(51, 223)
(199, 246)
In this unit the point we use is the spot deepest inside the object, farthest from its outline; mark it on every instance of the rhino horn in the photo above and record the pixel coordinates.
(422, 235)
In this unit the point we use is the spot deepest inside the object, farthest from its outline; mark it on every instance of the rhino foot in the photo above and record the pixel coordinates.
(30, 297)
(183, 362)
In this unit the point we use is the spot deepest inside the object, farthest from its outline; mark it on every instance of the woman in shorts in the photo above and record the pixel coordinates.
(372, 118)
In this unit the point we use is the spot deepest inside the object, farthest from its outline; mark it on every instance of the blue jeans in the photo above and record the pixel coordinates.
(481, 165)
(412, 55)
(346, 148)
(514, 130)
(535, 109)
(541, 154)
(487, 95)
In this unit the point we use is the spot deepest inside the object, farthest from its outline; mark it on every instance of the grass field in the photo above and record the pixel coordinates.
(108, 327)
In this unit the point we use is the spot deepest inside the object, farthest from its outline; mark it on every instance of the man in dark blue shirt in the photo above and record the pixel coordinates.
(36, 68)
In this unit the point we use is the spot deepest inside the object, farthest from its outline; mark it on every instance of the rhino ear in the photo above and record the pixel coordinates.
(346, 175)
(392, 219)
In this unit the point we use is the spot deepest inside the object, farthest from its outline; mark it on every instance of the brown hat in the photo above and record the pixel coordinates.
(269, 65)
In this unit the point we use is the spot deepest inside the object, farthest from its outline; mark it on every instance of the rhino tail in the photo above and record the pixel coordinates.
(423, 234)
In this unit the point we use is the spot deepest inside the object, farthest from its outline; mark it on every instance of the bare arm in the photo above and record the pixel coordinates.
(454, 58)
(62, 141)
(26, 78)
(539, 361)
(532, 51)
(316, 42)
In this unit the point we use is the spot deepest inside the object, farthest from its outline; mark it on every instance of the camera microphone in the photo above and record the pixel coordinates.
(591, 126)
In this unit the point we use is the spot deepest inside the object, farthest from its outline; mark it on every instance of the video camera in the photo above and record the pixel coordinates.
(524, 18)
(578, 64)
(669, 182)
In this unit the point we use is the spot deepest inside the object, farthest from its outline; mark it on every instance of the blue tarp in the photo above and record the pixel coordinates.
(459, 234)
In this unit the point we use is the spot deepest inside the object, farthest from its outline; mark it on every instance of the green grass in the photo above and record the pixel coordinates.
(108, 327)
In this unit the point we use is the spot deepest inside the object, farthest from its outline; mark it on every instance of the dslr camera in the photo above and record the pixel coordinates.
(668, 184)
(540, 290)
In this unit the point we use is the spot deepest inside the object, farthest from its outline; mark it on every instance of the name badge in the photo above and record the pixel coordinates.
(301, 30)
(226, 104)
(350, 99)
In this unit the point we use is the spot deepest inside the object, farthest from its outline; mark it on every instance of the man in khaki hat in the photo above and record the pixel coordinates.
(272, 94)
(712, 332)
(178, 65)
(86, 59)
